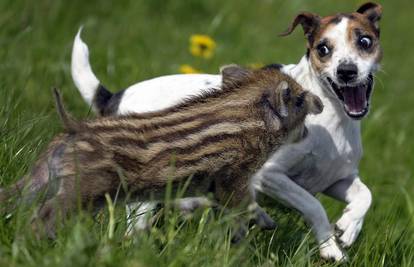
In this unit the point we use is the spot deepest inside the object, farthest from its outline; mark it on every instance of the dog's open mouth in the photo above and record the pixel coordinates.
(355, 98)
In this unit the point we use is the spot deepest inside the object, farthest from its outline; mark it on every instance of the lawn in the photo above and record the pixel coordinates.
(136, 40)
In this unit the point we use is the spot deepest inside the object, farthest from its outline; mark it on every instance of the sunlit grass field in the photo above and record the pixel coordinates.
(136, 40)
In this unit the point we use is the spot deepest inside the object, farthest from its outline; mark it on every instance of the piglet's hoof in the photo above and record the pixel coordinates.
(264, 221)
(239, 234)
(43, 230)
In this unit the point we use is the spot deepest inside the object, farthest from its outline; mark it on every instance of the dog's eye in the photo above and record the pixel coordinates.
(323, 50)
(365, 42)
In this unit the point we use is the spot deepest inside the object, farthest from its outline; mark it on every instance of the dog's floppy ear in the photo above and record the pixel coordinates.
(372, 11)
(309, 22)
(234, 74)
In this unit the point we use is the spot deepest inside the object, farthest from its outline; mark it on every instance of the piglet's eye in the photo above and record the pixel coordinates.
(323, 50)
(286, 95)
(365, 42)
(300, 100)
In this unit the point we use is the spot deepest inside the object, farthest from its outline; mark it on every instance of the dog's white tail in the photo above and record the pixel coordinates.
(82, 75)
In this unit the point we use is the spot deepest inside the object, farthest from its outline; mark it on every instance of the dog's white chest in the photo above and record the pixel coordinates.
(333, 147)
(331, 152)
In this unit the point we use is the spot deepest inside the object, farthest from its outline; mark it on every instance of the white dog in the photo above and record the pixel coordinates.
(343, 52)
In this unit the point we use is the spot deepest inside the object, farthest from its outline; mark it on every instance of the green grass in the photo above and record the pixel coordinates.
(136, 40)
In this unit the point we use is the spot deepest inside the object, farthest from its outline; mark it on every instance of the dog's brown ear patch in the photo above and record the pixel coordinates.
(372, 11)
(234, 74)
(309, 22)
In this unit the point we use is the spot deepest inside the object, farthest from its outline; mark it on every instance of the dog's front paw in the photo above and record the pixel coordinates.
(348, 230)
(330, 250)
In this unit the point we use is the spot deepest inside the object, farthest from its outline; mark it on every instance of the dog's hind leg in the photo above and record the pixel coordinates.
(278, 186)
(358, 198)
(138, 216)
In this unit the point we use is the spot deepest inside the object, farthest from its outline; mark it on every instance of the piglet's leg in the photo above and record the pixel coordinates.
(261, 218)
(234, 192)
(278, 186)
(52, 212)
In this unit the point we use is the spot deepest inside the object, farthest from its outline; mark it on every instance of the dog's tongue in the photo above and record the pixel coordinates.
(355, 99)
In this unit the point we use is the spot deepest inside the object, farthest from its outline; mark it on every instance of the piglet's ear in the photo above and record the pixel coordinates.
(285, 97)
(372, 11)
(234, 74)
(309, 22)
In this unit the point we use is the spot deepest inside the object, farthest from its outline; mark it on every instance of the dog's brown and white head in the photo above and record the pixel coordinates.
(344, 52)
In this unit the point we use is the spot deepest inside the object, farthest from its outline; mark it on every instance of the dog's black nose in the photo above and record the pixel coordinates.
(347, 72)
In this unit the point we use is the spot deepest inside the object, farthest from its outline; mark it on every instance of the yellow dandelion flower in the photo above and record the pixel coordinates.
(255, 65)
(202, 46)
(187, 69)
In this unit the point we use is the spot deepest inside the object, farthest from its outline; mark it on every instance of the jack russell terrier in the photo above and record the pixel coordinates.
(343, 53)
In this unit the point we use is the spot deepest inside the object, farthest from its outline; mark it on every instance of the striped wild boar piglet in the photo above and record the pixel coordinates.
(215, 142)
